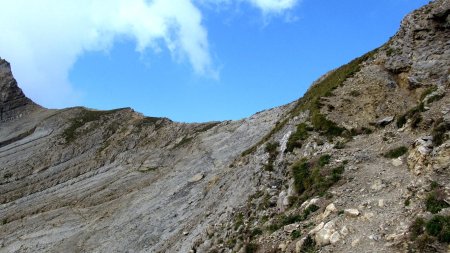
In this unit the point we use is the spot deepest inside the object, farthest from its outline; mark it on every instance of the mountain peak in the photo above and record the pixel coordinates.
(13, 102)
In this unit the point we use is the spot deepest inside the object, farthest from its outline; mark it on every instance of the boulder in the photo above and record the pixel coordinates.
(352, 212)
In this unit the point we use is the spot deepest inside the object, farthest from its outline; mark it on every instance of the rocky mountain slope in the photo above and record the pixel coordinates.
(359, 164)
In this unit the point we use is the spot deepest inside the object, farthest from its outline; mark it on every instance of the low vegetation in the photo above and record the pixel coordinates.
(299, 135)
(272, 150)
(283, 220)
(435, 201)
(309, 245)
(314, 178)
(440, 132)
(86, 116)
(413, 114)
(424, 233)
(311, 101)
(396, 152)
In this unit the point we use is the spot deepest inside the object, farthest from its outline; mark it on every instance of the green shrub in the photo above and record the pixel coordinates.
(324, 160)
(310, 180)
(85, 116)
(309, 245)
(239, 220)
(417, 228)
(355, 93)
(256, 232)
(271, 148)
(427, 92)
(337, 173)
(401, 121)
(250, 248)
(435, 98)
(396, 152)
(413, 114)
(311, 209)
(339, 145)
(435, 201)
(415, 121)
(423, 243)
(440, 132)
(325, 126)
(434, 185)
(407, 202)
(436, 225)
(301, 173)
(295, 139)
(295, 234)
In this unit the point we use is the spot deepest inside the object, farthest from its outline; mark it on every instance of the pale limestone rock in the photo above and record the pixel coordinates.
(323, 236)
(307, 203)
(335, 237)
(344, 231)
(352, 212)
(397, 162)
(196, 178)
(355, 242)
(282, 247)
(331, 208)
(290, 228)
(317, 228)
(377, 185)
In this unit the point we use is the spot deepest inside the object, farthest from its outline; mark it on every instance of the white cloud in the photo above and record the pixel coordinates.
(43, 38)
(274, 6)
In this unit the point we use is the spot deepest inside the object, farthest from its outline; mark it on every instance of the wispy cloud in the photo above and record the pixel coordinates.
(44, 38)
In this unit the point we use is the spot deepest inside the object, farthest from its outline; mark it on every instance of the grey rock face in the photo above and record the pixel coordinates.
(13, 103)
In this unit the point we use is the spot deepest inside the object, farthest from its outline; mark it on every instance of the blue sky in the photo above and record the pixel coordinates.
(188, 60)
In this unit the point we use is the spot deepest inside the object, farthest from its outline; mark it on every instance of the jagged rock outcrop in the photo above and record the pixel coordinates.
(359, 164)
(13, 103)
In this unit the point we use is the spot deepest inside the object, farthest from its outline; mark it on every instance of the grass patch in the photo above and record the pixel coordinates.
(152, 121)
(250, 248)
(439, 227)
(309, 245)
(183, 142)
(295, 139)
(324, 126)
(440, 132)
(208, 126)
(324, 160)
(255, 232)
(272, 149)
(355, 93)
(425, 233)
(311, 179)
(311, 99)
(396, 152)
(283, 220)
(427, 92)
(413, 114)
(239, 221)
(295, 234)
(86, 116)
(417, 228)
(434, 202)
(435, 98)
